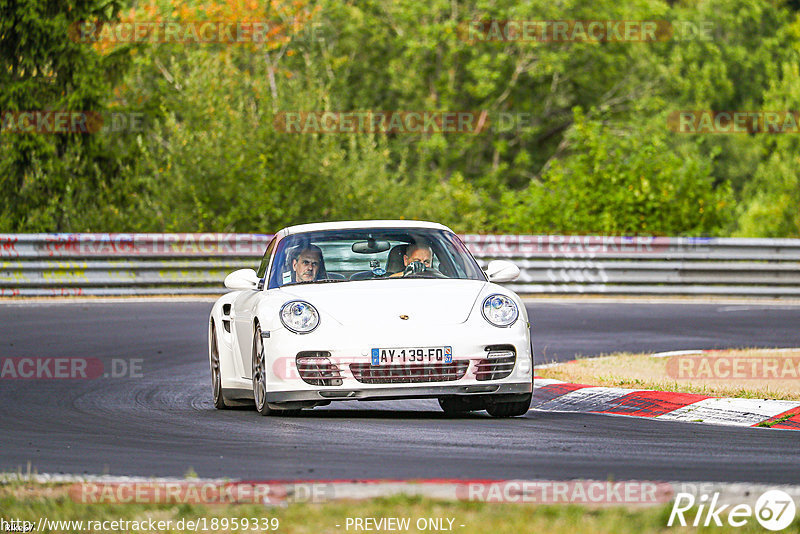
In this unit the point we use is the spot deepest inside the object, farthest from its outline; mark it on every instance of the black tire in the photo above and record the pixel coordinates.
(460, 405)
(216, 372)
(259, 375)
(510, 409)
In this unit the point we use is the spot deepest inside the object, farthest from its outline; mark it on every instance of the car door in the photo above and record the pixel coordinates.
(242, 314)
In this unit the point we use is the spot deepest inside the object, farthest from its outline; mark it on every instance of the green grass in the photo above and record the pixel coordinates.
(31, 501)
(769, 424)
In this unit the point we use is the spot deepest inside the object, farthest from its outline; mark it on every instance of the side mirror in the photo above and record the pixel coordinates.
(502, 271)
(242, 279)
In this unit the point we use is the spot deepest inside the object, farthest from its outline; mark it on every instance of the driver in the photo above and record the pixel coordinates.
(307, 264)
(417, 258)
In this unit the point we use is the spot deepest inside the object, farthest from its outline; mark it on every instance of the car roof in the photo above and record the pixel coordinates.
(354, 225)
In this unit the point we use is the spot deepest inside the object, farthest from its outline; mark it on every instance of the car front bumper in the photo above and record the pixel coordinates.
(388, 392)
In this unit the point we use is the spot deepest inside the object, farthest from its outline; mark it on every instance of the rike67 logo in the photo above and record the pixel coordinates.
(774, 510)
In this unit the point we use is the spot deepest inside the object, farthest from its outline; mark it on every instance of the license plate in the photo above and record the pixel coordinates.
(412, 355)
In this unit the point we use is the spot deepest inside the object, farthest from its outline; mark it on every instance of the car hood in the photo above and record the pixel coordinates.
(378, 301)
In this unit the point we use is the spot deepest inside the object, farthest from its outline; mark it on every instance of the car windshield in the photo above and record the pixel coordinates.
(371, 254)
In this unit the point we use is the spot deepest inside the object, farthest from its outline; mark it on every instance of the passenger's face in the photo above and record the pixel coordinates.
(421, 254)
(306, 266)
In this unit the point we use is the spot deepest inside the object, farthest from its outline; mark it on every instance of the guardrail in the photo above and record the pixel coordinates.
(174, 264)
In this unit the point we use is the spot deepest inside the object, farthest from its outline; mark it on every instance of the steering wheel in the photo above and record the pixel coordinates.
(421, 271)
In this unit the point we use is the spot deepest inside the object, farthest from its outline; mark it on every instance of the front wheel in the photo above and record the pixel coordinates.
(216, 373)
(260, 375)
(510, 408)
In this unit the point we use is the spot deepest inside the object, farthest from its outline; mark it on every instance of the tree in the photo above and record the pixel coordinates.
(48, 180)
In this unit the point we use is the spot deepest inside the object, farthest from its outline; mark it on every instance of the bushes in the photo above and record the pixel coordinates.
(620, 182)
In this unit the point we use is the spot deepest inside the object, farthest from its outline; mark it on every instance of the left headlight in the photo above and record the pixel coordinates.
(499, 310)
(299, 316)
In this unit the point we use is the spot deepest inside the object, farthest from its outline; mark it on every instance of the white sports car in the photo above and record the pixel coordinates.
(371, 310)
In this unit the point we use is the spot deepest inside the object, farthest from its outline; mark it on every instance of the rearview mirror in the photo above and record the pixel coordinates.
(371, 246)
(502, 271)
(242, 279)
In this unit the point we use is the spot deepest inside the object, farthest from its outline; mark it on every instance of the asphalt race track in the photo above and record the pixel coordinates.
(163, 424)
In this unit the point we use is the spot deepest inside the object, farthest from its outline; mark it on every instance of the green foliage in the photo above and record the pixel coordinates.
(771, 200)
(211, 159)
(48, 182)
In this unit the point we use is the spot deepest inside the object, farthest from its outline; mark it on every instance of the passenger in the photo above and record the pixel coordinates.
(308, 265)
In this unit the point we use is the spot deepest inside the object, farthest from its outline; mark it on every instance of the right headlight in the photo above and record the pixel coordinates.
(299, 316)
(499, 310)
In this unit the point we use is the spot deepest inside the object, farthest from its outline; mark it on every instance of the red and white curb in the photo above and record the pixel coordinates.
(558, 396)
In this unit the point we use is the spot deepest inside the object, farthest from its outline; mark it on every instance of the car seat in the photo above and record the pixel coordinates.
(394, 264)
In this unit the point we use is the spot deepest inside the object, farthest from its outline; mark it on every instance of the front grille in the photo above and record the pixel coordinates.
(498, 364)
(315, 368)
(406, 374)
